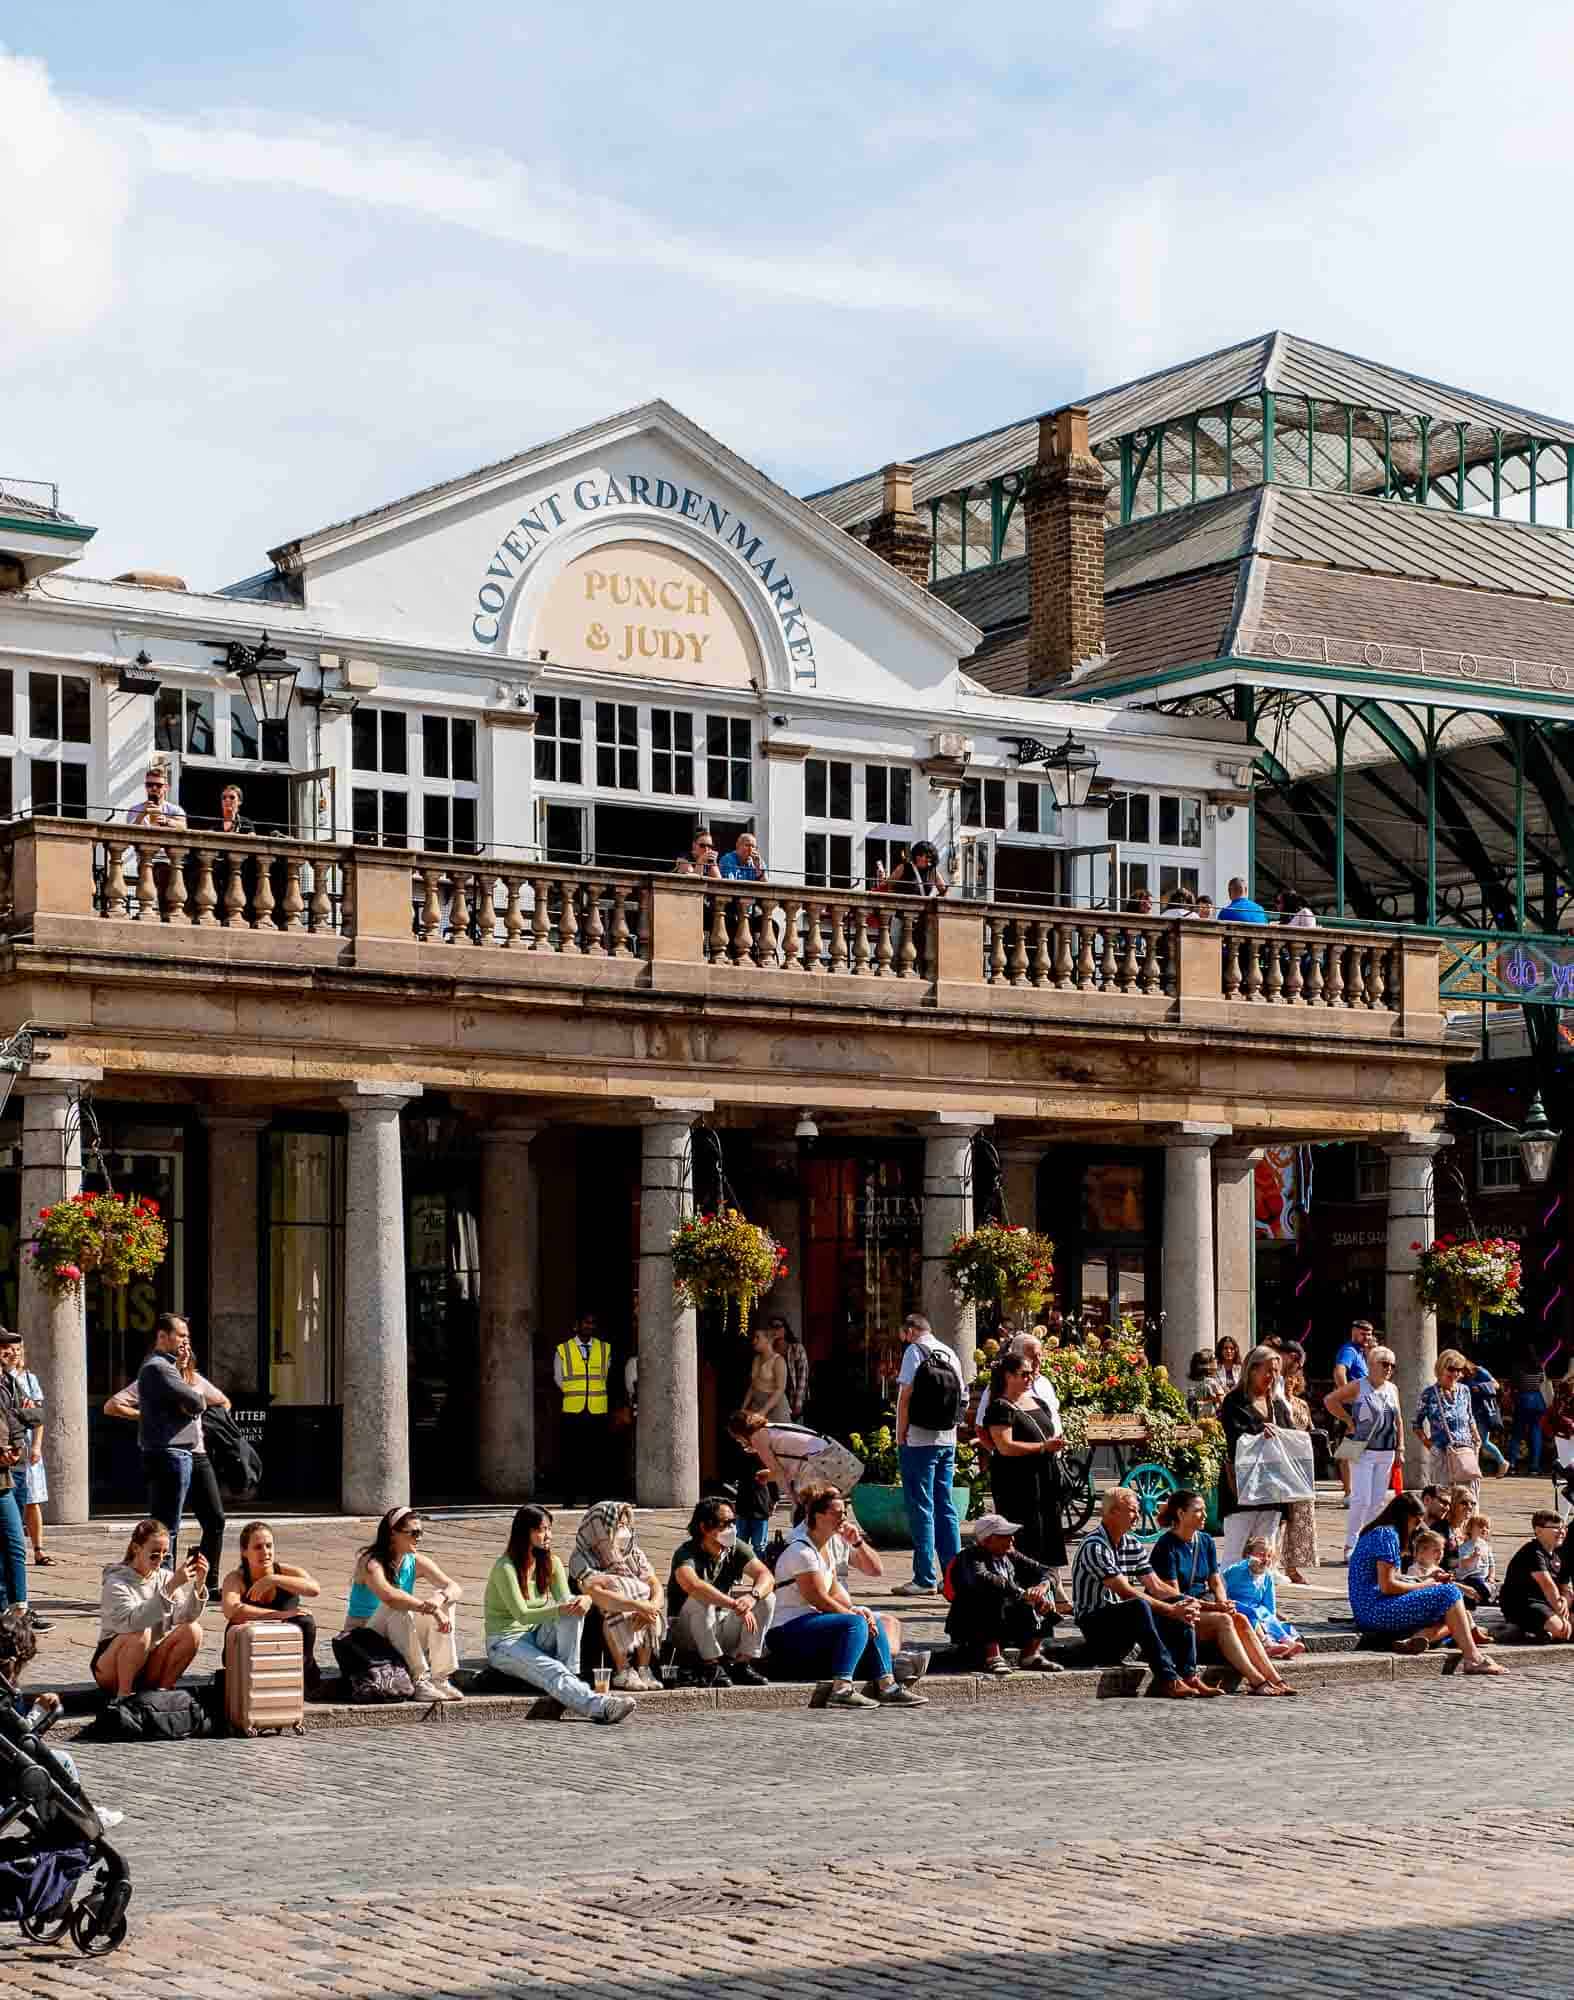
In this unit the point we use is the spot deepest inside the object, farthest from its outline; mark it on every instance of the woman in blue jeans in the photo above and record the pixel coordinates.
(535, 1622)
(818, 1632)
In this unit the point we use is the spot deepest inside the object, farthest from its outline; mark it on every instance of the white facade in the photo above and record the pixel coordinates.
(582, 654)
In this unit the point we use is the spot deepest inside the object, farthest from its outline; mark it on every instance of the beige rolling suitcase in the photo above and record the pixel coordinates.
(264, 1679)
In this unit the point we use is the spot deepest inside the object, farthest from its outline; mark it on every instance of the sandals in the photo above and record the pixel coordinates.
(43, 1561)
(1264, 1688)
(1414, 1644)
(1482, 1667)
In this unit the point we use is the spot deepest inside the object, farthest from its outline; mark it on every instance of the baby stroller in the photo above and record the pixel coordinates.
(60, 1837)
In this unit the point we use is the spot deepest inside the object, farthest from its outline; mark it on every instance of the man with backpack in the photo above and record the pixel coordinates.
(929, 1398)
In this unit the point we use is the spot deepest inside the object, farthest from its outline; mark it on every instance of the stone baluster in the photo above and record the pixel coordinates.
(1109, 959)
(1388, 998)
(293, 904)
(235, 892)
(204, 897)
(1155, 966)
(1324, 980)
(908, 932)
(619, 934)
(718, 928)
(147, 888)
(1016, 958)
(458, 912)
(813, 940)
(540, 914)
(513, 916)
(112, 901)
(1273, 967)
(319, 907)
(1086, 973)
(995, 967)
(569, 919)
(1063, 955)
(1128, 959)
(431, 928)
(883, 954)
(263, 902)
(1355, 976)
(595, 930)
(792, 942)
(1294, 979)
(1312, 992)
(858, 945)
(1232, 967)
(175, 888)
(1038, 952)
(1254, 982)
(838, 917)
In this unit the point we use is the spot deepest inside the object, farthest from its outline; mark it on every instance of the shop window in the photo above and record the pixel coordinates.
(448, 825)
(58, 789)
(305, 1281)
(984, 802)
(888, 795)
(827, 788)
(1371, 1174)
(729, 759)
(448, 744)
(59, 707)
(1498, 1164)
(828, 860)
(672, 752)
(379, 819)
(183, 721)
(380, 740)
(559, 752)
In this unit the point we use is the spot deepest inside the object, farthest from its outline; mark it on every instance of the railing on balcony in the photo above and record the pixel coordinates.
(74, 885)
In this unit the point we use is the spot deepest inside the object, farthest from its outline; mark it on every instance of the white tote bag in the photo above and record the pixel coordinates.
(1275, 1471)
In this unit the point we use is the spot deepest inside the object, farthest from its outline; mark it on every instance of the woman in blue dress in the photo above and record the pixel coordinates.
(1394, 1606)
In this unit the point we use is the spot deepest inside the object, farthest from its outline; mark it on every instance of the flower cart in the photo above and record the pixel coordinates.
(1131, 1443)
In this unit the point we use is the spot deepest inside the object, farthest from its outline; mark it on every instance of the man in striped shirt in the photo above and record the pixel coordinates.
(1109, 1591)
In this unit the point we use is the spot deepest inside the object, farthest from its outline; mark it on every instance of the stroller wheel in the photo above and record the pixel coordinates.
(89, 1938)
(50, 1926)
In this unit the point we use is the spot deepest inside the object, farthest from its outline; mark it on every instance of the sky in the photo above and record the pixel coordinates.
(266, 270)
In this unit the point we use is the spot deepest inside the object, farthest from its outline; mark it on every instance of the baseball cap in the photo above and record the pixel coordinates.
(994, 1524)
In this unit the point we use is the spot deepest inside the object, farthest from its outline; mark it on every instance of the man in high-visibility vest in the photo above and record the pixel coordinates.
(581, 1367)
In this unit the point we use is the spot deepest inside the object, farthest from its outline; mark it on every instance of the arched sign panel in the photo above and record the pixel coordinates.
(642, 608)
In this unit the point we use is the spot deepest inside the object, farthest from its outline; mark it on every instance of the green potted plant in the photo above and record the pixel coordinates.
(877, 1502)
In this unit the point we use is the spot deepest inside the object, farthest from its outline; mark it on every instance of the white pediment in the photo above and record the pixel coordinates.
(641, 547)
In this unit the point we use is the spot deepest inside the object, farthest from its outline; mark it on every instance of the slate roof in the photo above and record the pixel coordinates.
(1284, 362)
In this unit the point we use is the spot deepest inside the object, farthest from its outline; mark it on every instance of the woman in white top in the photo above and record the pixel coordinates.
(793, 1456)
(148, 1618)
(818, 1632)
(1369, 1409)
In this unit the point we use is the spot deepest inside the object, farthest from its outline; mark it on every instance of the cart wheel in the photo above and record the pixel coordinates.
(1152, 1485)
(1076, 1491)
(87, 1936)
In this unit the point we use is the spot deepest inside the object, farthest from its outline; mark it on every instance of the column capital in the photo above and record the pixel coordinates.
(380, 1096)
(1192, 1132)
(958, 1121)
(1416, 1145)
(57, 1077)
(1239, 1156)
(669, 1107)
(512, 1132)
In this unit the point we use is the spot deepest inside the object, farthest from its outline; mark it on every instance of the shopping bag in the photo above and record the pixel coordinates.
(1274, 1471)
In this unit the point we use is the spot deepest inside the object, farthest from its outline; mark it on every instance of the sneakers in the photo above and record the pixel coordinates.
(428, 1690)
(1039, 1663)
(898, 1696)
(745, 1674)
(629, 1680)
(446, 1691)
(40, 1624)
(848, 1697)
(712, 1677)
(916, 1589)
(108, 1817)
(616, 1708)
(651, 1681)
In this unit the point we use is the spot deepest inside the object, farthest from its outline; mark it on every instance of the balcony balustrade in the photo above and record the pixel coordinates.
(199, 896)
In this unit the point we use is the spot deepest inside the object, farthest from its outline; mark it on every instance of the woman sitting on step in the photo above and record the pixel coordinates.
(404, 1596)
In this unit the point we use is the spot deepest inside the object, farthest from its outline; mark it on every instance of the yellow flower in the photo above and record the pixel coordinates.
(1161, 1373)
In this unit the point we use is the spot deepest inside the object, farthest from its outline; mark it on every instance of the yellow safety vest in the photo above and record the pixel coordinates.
(585, 1377)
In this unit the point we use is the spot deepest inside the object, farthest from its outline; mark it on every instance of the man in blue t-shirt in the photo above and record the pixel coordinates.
(1240, 909)
(1350, 1366)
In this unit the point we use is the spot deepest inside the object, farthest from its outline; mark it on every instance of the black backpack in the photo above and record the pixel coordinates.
(159, 1715)
(235, 1459)
(934, 1400)
(374, 1671)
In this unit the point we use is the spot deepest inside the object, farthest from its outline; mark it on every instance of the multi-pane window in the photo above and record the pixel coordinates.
(1162, 819)
(1497, 1161)
(59, 707)
(729, 759)
(379, 817)
(888, 795)
(252, 741)
(984, 802)
(7, 702)
(1371, 1174)
(559, 751)
(380, 740)
(1171, 877)
(672, 752)
(7, 805)
(182, 721)
(449, 825)
(827, 789)
(617, 746)
(448, 748)
(1036, 809)
(828, 860)
(57, 787)
(1130, 817)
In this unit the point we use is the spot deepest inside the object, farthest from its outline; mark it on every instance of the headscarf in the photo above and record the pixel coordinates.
(596, 1552)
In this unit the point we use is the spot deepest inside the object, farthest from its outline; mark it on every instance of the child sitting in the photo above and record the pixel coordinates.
(1475, 1567)
(1427, 1552)
(18, 1647)
(1251, 1590)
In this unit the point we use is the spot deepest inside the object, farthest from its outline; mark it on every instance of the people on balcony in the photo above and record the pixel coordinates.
(917, 873)
(1241, 908)
(156, 808)
(745, 863)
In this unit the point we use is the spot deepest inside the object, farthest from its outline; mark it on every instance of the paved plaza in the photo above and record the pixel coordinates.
(1407, 1838)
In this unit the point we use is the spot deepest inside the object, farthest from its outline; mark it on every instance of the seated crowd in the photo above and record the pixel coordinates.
(728, 1614)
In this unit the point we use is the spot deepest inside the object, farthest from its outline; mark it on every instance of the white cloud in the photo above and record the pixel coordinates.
(64, 197)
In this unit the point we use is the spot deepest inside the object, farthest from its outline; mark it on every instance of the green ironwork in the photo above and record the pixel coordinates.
(1268, 426)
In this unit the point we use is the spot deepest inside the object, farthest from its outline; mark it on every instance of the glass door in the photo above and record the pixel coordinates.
(313, 808)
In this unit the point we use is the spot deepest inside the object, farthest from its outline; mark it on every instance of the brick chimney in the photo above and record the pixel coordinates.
(897, 533)
(1065, 549)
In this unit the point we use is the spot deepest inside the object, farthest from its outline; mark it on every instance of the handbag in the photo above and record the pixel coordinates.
(1461, 1463)
(1350, 1449)
(1275, 1471)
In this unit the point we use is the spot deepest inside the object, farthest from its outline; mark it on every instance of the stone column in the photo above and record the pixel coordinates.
(1190, 1316)
(667, 1436)
(1019, 1165)
(1411, 1332)
(376, 1358)
(510, 1236)
(237, 1195)
(1235, 1244)
(55, 1328)
(782, 1215)
(948, 1208)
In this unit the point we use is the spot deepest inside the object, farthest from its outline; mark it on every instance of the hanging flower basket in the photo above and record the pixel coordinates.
(996, 1265)
(1469, 1278)
(120, 1237)
(720, 1258)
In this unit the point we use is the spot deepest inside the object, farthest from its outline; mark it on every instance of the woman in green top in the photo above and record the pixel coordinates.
(534, 1622)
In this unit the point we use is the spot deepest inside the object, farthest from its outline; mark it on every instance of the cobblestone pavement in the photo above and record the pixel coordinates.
(1415, 1837)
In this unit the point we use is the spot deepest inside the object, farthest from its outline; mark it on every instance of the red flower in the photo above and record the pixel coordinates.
(43, 1212)
(1415, 1246)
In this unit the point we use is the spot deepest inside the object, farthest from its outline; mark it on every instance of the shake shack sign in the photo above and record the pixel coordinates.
(630, 635)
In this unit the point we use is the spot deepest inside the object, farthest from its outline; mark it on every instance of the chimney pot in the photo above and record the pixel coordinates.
(896, 533)
(1063, 433)
(897, 489)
